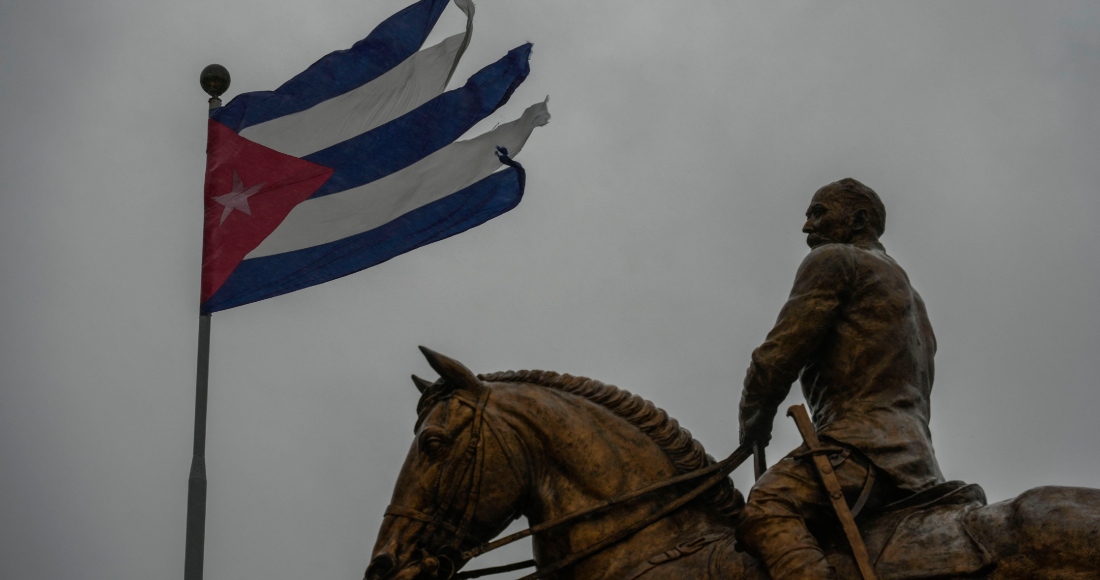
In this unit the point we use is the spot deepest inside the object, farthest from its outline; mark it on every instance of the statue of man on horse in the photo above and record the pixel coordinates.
(857, 334)
(615, 489)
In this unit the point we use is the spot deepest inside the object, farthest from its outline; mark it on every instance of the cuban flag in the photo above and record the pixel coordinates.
(356, 160)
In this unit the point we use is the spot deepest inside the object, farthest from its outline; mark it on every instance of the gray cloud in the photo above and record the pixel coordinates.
(656, 242)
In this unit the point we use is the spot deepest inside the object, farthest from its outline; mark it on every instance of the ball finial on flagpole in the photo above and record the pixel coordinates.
(214, 79)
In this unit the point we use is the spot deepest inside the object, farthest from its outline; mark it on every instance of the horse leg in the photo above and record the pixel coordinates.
(1048, 532)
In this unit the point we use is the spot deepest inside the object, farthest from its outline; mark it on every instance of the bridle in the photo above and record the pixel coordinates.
(451, 552)
(470, 467)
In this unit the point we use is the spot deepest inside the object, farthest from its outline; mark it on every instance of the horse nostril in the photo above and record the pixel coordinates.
(380, 567)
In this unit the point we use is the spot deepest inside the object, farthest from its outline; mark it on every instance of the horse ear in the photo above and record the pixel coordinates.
(422, 385)
(453, 372)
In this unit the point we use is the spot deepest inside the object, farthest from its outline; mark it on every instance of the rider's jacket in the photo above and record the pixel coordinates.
(858, 335)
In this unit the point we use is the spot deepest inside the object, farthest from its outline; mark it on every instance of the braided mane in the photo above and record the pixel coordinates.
(676, 442)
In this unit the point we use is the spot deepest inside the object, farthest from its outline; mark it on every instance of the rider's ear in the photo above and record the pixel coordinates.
(453, 372)
(859, 219)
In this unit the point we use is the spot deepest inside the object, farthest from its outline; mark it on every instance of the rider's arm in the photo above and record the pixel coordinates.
(806, 319)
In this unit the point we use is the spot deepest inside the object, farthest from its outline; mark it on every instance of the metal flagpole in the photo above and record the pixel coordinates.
(196, 481)
(214, 80)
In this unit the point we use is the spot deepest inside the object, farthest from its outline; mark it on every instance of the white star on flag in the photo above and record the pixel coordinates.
(237, 198)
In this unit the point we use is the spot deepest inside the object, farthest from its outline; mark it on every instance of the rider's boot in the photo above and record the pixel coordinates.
(786, 548)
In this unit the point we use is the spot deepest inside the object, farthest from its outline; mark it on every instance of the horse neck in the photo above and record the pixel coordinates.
(579, 454)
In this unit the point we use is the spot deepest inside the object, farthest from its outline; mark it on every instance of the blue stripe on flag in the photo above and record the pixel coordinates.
(267, 277)
(421, 132)
(397, 38)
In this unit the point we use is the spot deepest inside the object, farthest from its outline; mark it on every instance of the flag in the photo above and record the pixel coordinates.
(356, 160)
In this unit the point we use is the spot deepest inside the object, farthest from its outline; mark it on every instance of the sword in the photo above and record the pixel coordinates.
(832, 489)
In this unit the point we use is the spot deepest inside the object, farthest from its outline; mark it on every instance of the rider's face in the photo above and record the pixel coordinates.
(828, 220)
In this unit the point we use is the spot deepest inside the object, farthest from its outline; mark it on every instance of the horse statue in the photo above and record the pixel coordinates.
(584, 462)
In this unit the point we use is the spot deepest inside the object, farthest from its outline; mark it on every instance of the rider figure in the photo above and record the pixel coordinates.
(857, 335)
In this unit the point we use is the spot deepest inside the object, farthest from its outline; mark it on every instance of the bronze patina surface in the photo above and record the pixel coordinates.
(600, 474)
(856, 334)
(548, 445)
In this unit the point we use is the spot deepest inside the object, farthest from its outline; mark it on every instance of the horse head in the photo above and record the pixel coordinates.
(458, 487)
(545, 446)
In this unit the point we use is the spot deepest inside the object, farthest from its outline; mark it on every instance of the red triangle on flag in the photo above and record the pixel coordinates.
(249, 190)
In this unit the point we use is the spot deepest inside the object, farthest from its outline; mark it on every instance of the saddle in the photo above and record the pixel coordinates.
(924, 535)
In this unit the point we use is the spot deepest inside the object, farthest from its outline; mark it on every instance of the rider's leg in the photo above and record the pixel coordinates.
(786, 548)
(773, 525)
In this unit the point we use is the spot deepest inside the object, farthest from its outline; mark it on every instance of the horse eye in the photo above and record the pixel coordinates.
(432, 444)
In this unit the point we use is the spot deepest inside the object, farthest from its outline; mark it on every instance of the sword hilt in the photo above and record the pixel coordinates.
(805, 426)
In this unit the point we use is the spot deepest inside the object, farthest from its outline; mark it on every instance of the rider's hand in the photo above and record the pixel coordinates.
(763, 441)
(756, 427)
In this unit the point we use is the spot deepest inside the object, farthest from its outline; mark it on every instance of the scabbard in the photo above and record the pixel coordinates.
(833, 490)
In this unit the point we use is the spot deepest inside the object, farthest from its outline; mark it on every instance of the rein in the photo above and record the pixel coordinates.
(475, 460)
(723, 469)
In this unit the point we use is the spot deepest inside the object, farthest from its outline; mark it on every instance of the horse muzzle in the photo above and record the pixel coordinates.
(428, 567)
(380, 567)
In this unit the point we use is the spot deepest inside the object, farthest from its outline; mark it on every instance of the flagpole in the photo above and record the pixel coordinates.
(196, 480)
(214, 79)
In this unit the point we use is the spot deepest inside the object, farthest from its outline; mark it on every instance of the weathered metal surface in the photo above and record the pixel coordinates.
(554, 444)
(832, 488)
(857, 336)
(548, 447)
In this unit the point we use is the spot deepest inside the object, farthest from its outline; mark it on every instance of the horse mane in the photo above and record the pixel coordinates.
(675, 441)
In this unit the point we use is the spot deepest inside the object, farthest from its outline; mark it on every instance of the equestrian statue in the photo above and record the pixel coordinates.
(614, 489)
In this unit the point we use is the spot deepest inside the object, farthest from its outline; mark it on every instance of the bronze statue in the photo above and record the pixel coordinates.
(558, 450)
(857, 333)
(614, 489)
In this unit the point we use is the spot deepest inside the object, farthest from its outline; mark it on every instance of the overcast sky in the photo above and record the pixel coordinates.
(656, 242)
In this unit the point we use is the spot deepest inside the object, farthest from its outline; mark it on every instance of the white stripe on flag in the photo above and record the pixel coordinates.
(353, 211)
(417, 80)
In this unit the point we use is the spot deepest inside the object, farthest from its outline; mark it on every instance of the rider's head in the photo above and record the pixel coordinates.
(844, 212)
